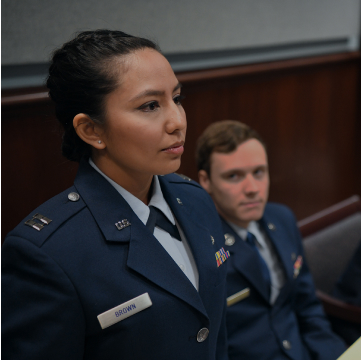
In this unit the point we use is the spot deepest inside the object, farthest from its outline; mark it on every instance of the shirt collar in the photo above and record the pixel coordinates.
(242, 232)
(140, 209)
(157, 200)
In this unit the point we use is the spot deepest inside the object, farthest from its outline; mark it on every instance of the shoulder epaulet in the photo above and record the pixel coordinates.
(48, 217)
(180, 178)
(184, 177)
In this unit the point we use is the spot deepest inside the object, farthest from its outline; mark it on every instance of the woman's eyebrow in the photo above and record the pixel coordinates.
(178, 86)
(154, 92)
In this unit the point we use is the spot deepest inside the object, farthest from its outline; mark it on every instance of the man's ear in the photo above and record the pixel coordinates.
(88, 131)
(204, 181)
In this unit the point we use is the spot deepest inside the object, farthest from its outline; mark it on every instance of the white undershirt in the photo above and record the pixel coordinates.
(178, 250)
(269, 255)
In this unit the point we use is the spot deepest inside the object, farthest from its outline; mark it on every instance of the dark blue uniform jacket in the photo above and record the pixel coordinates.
(56, 281)
(295, 327)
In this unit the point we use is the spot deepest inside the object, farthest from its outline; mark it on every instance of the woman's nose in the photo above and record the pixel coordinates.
(176, 119)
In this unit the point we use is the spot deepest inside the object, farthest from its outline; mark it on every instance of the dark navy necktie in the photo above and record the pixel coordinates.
(157, 218)
(251, 240)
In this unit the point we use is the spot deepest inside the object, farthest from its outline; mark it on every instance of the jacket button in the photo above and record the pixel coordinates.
(271, 226)
(202, 334)
(230, 240)
(73, 196)
(286, 344)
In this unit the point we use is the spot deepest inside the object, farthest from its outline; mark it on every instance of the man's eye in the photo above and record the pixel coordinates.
(150, 106)
(259, 173)
(178, 99)
(233, 177)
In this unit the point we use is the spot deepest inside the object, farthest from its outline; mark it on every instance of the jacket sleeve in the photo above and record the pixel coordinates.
(315, 330)
(42, 317)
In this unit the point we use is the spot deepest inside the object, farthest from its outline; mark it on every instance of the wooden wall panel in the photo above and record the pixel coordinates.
(307, 111)
(308, 117)
(33, 169)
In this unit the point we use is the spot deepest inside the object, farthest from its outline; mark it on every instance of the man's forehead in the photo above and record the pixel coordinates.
(249, 154)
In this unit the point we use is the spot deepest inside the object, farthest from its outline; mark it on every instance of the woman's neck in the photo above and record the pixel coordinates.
(136, 182)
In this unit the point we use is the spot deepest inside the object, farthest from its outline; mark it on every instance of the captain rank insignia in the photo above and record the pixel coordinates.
(36, 224)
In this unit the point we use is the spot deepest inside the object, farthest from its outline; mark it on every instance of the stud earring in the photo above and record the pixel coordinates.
(99, 141)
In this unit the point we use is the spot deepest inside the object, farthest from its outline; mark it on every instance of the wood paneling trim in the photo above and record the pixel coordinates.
(339, 309)
(265, 67)
(24, 98)
(212, 74)
(329, 216)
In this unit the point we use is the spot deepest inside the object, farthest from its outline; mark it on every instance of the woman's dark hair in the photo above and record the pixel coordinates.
(82, 72)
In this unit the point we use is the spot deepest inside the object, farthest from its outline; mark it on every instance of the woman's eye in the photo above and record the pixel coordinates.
(148, 107)
(178, 99)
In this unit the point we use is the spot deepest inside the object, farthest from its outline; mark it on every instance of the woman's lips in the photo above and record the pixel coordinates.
(175, 149)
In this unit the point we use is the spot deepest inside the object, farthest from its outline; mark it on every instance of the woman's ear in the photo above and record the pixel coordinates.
(88, 131)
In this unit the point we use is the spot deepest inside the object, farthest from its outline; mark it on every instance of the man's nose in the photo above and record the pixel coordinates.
(251, 184)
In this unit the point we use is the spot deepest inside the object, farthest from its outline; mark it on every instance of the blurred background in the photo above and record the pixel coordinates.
(288, 68)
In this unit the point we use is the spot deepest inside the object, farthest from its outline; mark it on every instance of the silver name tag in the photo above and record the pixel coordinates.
(124, 310)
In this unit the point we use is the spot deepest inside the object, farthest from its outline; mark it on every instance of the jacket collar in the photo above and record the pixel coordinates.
(280, 239)
(282, 242)
(198, 236)
(246, 261)
(146, 255)
(104, 202)
(245, 257)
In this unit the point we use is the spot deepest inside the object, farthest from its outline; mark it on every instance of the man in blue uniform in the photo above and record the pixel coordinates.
(273, 312)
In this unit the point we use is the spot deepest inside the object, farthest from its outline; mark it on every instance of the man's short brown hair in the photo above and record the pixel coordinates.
(223, 137)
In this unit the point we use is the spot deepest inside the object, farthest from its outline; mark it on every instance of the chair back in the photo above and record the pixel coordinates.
(331, 237)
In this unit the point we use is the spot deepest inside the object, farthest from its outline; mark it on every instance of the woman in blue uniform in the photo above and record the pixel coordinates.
(123, 264)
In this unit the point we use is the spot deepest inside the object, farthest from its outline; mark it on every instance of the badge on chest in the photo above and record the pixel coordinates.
(124, 310)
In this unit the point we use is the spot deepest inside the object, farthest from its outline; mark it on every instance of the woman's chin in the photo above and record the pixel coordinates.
(170, 168)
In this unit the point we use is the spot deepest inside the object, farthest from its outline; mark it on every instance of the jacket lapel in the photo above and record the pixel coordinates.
(283, 247)
(198, 237)
(148, 258)
(246, 262)
(146, 255)
(105, 203)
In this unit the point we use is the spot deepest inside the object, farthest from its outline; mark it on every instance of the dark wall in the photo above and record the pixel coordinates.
(33, 169)
(307, 111)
